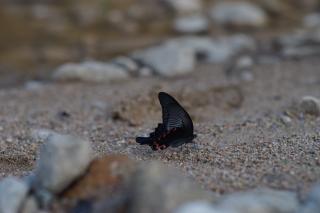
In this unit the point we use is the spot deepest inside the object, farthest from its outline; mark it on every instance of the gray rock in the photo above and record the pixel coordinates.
(312, 20)
(300, 44)
(217, 50)
(30, 205)
(197, 207)
(168, 59)
(90, 71)
(312, 203)
(192, 24)
(156, 188)
(285, 119)
(12, 194)
(62, 159)
(239, 15)
(241, 68)
(310, 105)
(185, 6)
(133, 66)
(42, 135)
(260, 201)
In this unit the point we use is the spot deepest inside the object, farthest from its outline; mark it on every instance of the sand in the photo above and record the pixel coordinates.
(242, 142)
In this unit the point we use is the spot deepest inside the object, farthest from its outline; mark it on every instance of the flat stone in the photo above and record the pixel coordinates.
(191, 24)
(238, 15)
(12, 194)
(63, 158)
(91, 71)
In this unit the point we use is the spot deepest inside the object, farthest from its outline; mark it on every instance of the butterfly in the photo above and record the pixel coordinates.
(176, 127)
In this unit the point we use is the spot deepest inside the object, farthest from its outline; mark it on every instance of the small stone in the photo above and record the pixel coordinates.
(196, 207)
(156, 188)
(312, 203)
(238, 15)
(62, 159)
(286, 119)
(42, 135)
(216, 50)
(33, 85)
(30, 205)
(168, 59)
(12, 194)
(310, 105)
(191, 24)
(260, 200)
(241, 68)
(90, 71)
(312, 20)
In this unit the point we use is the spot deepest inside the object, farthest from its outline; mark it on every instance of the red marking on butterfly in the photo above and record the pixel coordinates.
(176, 127)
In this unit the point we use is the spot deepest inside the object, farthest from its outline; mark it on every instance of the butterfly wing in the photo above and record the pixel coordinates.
(173, 114)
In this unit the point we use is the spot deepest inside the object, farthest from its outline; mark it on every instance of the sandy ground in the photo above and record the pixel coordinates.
(242, 142)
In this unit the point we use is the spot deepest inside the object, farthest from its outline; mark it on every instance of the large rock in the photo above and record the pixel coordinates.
(216, 50)
(62, 159)
(90, 71)
(238, 15)
(168, 59)
(12, 194)
(260, 201)
(185, 6)
(156, 188)
(191, 24)
(312, 203)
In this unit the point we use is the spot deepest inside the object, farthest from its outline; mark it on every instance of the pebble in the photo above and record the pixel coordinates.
(310, 105)
(30, 205)
(62, 159)
(12, 194)
(216, 50)
(238, 15)
(286, 119)
(90, 71)
(259, 201)
(191, 24)
(312, 203)
(42, 135)
(312, 20)
(196, 207)
(168, 59)
(163, 188)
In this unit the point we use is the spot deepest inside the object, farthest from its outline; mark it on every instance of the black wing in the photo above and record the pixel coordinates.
(173, 114)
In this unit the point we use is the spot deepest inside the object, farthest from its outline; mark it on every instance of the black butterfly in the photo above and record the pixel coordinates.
(176, 127)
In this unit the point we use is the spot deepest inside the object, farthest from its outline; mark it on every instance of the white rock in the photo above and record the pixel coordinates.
(90, 71)
(168, 59)
(197, 207)
(62, 159)
(310, 105)
(217, 50)
(42, 135)
(312, 204)
(238, 14)
(195, 23)
(260, 201)
(185, 6)
(12, 194)
(312, 20)
(30, 205)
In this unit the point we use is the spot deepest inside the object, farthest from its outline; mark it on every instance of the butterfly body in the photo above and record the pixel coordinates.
(176, 129)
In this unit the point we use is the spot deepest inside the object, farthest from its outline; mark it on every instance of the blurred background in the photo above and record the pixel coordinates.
(38, 35)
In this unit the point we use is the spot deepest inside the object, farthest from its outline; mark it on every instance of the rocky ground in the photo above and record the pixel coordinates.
(251, 86)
